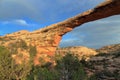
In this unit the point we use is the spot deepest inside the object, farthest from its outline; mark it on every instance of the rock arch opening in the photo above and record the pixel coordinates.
(94, 34)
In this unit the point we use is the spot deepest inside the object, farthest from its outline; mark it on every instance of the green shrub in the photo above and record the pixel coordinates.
(40, 73)
(70, 68)
(9, 70)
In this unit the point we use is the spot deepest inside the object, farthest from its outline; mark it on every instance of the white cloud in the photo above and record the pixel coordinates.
(71, 42)
(19, 22)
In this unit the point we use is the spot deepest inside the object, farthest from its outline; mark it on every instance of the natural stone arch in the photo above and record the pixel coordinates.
(47, 39)
(53, 33)
(94, 34)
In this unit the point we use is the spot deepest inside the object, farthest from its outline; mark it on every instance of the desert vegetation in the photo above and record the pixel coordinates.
(67, 67)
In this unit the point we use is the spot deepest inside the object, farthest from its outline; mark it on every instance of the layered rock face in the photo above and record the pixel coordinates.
(47, 39)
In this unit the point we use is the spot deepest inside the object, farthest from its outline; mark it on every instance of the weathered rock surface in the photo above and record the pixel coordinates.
(106, 64)
(79, 51)
(47, 39)
(115, 48)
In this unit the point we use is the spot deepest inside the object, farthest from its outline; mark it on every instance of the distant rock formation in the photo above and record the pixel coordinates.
(106, 64)
(47, 39)
(79, 51)
(115, 48)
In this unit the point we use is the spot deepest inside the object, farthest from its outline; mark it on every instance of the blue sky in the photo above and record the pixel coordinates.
(31, 15)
